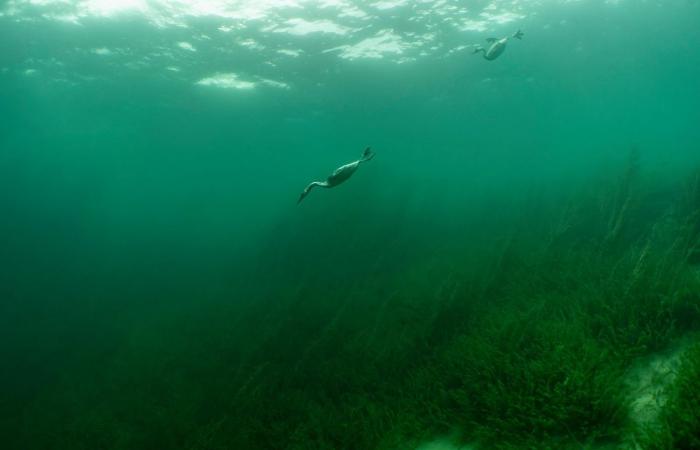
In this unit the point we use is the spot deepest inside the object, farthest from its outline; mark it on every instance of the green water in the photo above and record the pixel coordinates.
(525, 240)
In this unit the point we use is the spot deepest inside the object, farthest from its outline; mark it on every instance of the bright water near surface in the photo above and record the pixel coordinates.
(526, 235)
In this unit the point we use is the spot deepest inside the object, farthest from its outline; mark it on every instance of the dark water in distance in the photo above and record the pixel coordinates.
(149, 174)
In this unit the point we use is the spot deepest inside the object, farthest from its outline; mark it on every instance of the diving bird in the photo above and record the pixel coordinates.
(340, 174)
(497, 46)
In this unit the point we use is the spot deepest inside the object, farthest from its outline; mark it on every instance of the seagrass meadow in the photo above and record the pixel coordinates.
(516, 267)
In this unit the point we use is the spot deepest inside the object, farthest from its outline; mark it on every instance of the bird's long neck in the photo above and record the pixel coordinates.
(308, 188)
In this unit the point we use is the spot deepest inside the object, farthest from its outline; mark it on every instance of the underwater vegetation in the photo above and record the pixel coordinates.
(506, 274)
(679, 423)
(502, 336)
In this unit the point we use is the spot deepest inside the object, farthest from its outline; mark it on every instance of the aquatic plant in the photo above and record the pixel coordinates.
(528, 378)
(678, 426)
(507, 337)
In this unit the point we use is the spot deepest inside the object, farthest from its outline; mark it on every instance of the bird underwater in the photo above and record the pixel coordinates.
(343, 173)
(497, 46)
(339, 175)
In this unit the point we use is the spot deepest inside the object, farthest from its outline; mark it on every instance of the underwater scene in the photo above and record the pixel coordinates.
(349, 224)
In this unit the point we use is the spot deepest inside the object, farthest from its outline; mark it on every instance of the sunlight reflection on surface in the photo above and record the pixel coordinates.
(192, 33)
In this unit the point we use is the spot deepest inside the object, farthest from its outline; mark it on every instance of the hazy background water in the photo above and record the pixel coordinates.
(141, 177)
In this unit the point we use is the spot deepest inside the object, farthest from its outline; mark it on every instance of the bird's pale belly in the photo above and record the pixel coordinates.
(341, 175)
(495, 51)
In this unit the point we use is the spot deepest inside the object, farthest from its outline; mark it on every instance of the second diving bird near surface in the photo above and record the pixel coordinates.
(340, 174)
(497, 46)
